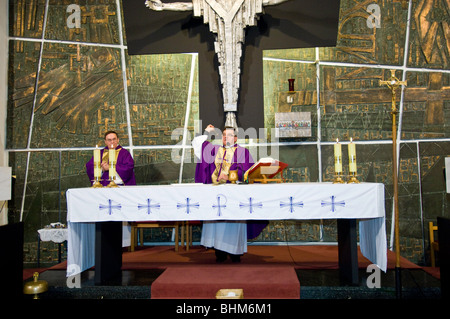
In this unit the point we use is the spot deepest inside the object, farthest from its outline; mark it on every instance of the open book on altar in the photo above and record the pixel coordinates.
(265, 171)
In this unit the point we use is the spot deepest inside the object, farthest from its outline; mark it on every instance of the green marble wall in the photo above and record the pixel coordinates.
(69, 85)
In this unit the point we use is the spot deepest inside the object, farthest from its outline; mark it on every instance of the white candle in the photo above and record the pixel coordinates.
(97, 168)
(352, 157)
(112, 163)
(337, 157)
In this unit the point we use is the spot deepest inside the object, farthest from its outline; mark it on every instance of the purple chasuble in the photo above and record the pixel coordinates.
(242, 161)
(124, 168)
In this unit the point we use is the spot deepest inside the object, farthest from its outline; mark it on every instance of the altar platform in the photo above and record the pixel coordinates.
(316, 268)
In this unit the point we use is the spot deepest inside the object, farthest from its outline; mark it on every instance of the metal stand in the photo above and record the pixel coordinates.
(108, 252)
(348, 251)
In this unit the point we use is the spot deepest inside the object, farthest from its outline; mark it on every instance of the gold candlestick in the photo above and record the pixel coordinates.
(97, 183)
(338, 179)
(353, 179)
(112, 183)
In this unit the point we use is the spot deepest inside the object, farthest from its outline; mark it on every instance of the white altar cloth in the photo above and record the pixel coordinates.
(178, 202)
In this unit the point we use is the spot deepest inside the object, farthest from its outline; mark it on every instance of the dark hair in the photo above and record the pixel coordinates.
(111, 132)
(230, 128)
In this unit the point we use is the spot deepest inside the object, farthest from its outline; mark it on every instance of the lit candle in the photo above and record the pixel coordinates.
(352, 156)
(97, 168)
(112, 163)
(337, 157)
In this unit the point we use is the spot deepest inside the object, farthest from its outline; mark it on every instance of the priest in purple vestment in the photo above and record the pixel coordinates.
(124, 162)
(227, 237)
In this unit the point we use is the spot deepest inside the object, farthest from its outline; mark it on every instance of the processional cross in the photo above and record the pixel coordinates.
(227, 19)
(393, 84)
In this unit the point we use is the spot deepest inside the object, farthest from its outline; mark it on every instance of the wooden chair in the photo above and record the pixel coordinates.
(152, 224)
(434, 245)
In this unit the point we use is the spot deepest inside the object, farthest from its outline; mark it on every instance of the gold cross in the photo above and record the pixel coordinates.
(393, 83)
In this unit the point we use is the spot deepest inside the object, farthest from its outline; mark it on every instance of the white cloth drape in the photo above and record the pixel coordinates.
(297, 201)
(226, 202)
(229, 236)
(80, 247)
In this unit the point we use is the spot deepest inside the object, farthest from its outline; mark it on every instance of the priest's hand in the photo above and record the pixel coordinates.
(209, 128)
(222, 177)
(105, 166)
(154, 5)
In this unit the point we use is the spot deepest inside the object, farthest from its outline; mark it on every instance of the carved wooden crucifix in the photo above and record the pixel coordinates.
(235, 55)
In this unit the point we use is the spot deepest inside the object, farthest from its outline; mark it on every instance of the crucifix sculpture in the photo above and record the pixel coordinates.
(199, 28)
(227, 19)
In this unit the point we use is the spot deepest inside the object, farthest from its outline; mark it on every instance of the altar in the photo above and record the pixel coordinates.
(89, 210)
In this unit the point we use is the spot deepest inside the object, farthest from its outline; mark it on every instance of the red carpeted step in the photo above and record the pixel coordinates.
(203, 282)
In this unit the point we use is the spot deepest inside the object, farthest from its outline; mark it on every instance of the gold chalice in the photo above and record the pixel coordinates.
(233, 176)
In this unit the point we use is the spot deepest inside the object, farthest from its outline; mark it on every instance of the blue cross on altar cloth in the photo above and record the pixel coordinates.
(291, 204)
(333, 203)
(219, 206)
(149, 206)
(188, 205)
(250, 205)
(110, 206)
